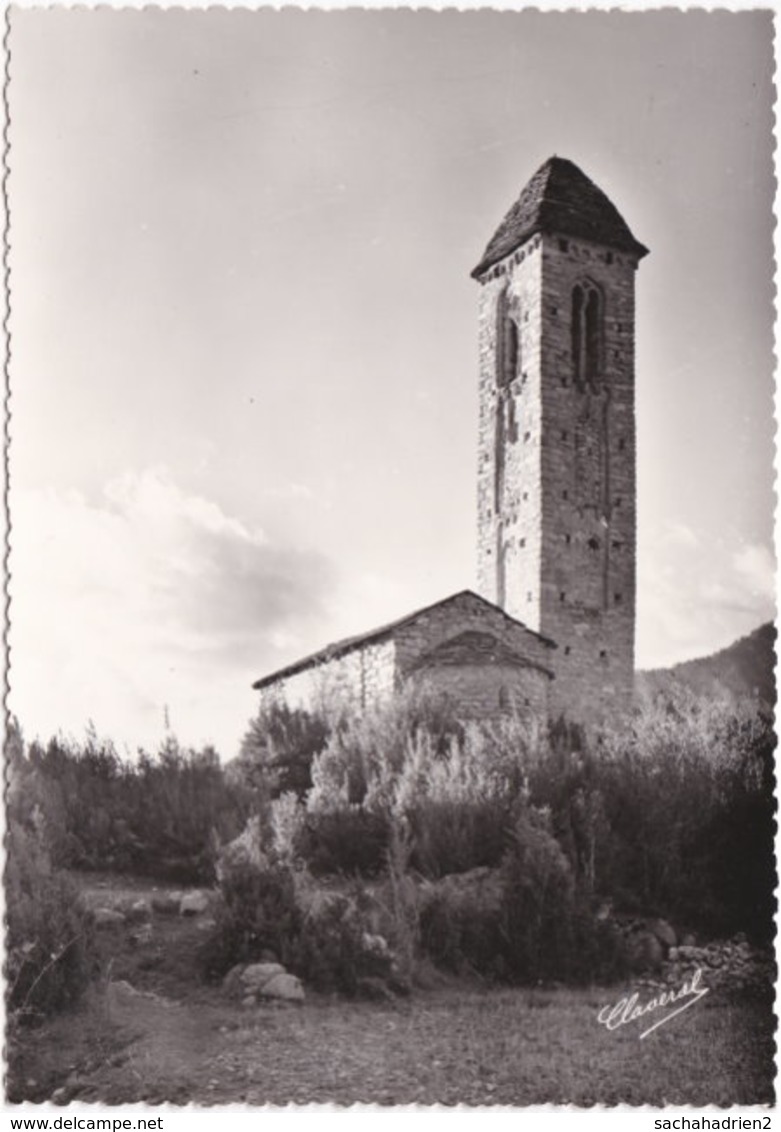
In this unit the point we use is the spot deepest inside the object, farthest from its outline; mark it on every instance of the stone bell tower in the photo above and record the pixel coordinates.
(556, 477)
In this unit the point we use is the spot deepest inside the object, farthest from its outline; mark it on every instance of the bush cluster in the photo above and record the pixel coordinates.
(264, 913)
(50, 954)
(672, 816)
(257, 914)
(157, 815)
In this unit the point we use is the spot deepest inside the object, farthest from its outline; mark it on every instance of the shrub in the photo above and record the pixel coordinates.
(155, 816)
(538, 901)
(688, 795)
(50, 942)
(463, 932)
(457, 803)
(257, 912)
(349, 840)
(324, 937)
(336, 951)
(50, 954)
(451, 785)
(278, 749)
(551, 929)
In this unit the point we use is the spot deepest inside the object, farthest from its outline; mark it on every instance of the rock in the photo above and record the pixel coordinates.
(194, 903)
(108, 918)
(249, 1000)
(689, 940)
(664, 932)
(167, 903)
(644, 951)
(256, 975)
(206, 924)
(138, 911)
(283, 986)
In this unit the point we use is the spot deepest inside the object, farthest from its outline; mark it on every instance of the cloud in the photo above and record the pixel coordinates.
(696, 595)
(289, 491)
(756, 566)
(150, 596)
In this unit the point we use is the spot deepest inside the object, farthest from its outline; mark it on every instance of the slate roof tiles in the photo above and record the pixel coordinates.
(560, 198)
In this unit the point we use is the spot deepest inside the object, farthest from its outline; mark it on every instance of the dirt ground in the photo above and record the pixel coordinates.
(152, 1031)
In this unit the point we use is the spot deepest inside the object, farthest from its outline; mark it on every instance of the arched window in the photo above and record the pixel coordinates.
(507, 342)
(587, 324)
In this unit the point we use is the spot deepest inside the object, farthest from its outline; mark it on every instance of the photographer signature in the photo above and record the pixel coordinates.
(628, 1009)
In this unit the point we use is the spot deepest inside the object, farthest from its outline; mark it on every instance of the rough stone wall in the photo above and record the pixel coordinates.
(589, 485)
(361, 677)
(488, 691)
(509, 483)
(556, 477)
(464, 613)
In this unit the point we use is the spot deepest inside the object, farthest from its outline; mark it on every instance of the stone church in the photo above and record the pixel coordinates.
(551, 628)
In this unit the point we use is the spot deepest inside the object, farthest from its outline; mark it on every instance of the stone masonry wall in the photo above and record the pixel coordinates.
(361, 677)
(589, 486)
(464, 613)
(509, 483)
(487, 691)
(369, 674)
(556, 471)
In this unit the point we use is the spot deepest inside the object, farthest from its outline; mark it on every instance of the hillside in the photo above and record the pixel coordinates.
(743, 668)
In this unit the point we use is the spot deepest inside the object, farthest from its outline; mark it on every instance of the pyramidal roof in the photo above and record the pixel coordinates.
(560, 198)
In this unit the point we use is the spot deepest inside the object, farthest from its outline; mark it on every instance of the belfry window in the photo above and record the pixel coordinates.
(587, 335)
(507, 343)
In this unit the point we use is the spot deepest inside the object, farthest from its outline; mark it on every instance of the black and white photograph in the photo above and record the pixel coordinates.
(391, 573)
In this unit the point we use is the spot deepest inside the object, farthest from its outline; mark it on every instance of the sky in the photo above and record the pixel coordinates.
(243, 363)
